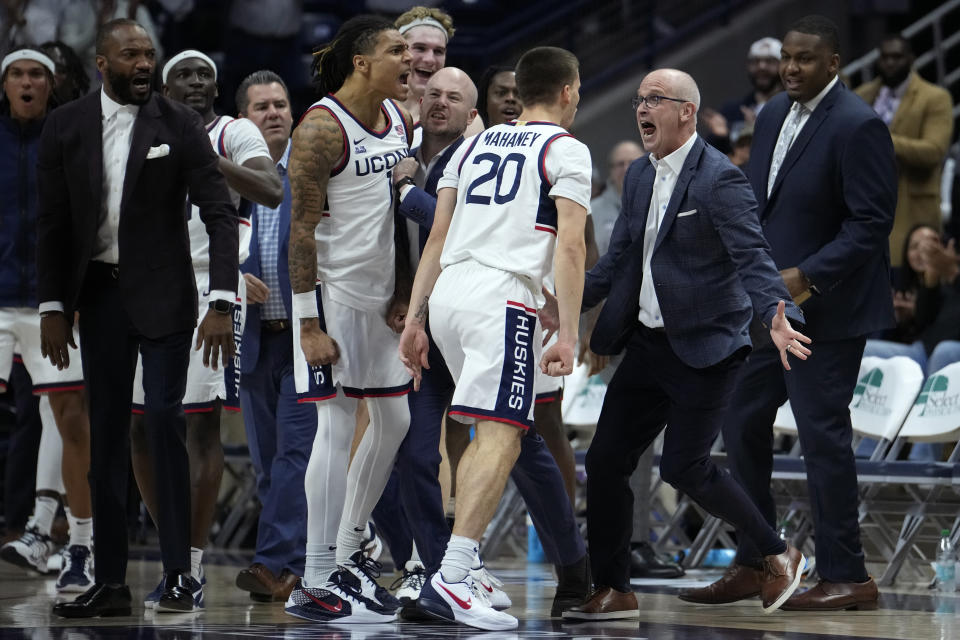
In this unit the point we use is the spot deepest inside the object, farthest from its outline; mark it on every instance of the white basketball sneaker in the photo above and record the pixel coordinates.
(492, 587)
(457, 602)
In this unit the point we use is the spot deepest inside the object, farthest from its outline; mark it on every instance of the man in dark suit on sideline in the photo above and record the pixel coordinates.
(826, 205)
(686, 270)
(115, 169)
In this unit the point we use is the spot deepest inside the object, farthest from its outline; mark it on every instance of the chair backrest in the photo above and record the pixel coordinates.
(935, 416)
(885, 392)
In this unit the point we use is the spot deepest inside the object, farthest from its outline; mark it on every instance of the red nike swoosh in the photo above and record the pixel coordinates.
(490, 589)
(463, 605)
(326, 606)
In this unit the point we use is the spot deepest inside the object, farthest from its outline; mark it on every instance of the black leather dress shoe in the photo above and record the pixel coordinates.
(645, 562)
(99, 600)
(181, 593)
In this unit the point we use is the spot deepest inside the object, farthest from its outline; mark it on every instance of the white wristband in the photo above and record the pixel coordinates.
(305, 305)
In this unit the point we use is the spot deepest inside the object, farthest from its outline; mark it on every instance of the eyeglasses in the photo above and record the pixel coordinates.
(652, 102)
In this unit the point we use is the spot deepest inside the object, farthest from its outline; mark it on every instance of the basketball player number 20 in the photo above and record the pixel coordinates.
(498, 166)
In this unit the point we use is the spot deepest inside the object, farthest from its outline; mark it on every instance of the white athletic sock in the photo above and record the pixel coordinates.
(81, 530)
(50, 454)
(348, 540)
(196, 556)
(477, 561)
(458, 558)
(321, 562)
(44, 511)
(325, 482)
(415, 556)
(370, 469)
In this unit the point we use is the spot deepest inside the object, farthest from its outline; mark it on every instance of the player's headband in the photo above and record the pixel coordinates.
(421, 22)
(183, 55)
(27, 54)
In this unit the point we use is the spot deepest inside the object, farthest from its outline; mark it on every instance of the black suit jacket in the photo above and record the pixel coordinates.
(156, 274)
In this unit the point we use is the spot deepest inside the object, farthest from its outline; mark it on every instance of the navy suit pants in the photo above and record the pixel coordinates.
(820, 390)
(280, 434)
(651, 388)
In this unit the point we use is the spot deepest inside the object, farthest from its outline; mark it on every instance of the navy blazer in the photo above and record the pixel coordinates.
(420, 204)
(251, 330)
(711, 266)
(831, 210)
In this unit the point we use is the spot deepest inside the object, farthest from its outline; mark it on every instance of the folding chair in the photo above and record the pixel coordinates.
(919, 491)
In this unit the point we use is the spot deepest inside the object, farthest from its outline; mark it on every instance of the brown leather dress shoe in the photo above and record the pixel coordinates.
(606, 603)
(781, 577)
(257, 579)
(738, 582)
(285, 584)
(836, 596)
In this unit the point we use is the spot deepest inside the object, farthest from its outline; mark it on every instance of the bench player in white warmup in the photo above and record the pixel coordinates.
(510, 198)
(190, 77)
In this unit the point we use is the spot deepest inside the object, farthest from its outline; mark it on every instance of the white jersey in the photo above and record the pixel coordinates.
(237, 140)
(355, 247)
(506, 179)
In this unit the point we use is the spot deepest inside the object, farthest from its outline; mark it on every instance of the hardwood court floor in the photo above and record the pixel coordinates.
(907, 612)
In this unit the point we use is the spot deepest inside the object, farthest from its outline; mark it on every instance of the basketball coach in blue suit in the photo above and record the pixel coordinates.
(823, 170)
(114, 171)
(686, 271)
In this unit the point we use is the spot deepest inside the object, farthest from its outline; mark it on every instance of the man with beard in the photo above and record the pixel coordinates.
(190, 78)
(920, 117)
(763, 64)
(115, 169)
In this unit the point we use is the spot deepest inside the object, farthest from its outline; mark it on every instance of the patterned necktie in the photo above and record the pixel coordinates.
(784, 141)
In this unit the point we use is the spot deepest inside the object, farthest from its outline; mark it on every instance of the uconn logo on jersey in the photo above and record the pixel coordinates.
(380, 163)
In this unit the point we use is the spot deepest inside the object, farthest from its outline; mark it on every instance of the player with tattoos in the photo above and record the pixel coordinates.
(342, 272)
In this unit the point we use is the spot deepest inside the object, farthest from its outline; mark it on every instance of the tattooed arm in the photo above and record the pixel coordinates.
(413, 342)
(317, 147)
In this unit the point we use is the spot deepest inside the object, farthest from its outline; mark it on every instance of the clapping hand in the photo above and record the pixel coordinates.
(786, 338)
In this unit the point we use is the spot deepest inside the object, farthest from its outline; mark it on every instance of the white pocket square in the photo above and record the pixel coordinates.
(687, 213)
(158, 152)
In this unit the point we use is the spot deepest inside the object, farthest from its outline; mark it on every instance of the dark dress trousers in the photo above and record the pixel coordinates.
(146, 302)
(712, 272)
(829, 212)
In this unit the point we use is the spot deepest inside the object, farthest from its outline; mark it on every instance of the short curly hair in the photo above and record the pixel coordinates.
(418, 13)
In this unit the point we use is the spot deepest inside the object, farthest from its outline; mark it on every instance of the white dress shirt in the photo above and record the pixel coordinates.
(118, 122)
(668, 171)
(810, 106)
